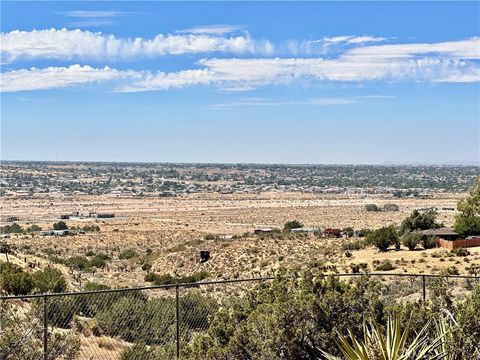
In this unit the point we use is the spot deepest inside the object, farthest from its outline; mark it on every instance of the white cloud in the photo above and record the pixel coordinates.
(59, 77)
(85, 14)
(265, 102)
(437, 62)
(78, 44)
(462, 49)
(211, 29)
(166, 81)
(351, 39)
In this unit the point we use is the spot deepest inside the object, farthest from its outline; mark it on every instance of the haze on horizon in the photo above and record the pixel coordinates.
(316, 83)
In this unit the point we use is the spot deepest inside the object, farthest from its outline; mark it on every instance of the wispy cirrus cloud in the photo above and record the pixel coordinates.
(93, 18)
(352, 39)
(218, 29)
(262, 102)
(452, 61)
(82, 14)
(78, 44)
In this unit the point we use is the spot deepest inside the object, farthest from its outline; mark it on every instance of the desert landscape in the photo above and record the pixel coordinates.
(164, 234)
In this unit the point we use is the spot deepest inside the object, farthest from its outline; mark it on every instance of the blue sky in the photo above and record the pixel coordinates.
(264, 82)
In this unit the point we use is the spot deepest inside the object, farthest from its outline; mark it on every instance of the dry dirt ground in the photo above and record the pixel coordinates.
(168, 232)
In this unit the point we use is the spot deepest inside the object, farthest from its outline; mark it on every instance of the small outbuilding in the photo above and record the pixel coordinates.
(203, 256)
(449, 239)
(265, 230)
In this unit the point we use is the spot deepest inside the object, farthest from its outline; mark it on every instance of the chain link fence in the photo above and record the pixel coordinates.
(128, 324)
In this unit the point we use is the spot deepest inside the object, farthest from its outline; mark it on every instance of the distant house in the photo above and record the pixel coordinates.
(445, 233)
(424, 196)
(65, 216)
(265, 230)
(332, 232)
(12, 218)
(62, 232)
(105, 215)
(449, 239)
(305, 230)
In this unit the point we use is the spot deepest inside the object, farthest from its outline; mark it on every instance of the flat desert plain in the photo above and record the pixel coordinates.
(167, 234)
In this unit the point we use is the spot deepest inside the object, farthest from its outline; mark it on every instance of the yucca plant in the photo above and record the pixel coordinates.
(392, 343)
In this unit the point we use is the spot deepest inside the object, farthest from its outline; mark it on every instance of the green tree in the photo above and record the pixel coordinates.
(295, 224)
(420, 221)
(61, 225)
(33, 228)
(384, 237)
(411, 239)
(468, 221)
(11, 229)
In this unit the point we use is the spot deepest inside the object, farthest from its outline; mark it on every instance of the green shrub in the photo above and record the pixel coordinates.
(49, 280)
(384, 237)
(141, 352)
(460, 252)
(127, 254)
(390, 207)
(295, 224)
(429, 242)
(15, 281)
(60, 310)
(99, 261)
(133, 318)
(411, 239)
(385, 265)
(79, 263)
(354, 245)
(33, 228)
(168, 279)
(11, 229)
(61, 225)
(372, 207)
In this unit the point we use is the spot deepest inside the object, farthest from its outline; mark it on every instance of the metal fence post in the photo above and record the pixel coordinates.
(45, 328)
(424, 288)
(177, 320)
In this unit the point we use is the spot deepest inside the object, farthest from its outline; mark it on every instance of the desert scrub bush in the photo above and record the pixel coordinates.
(99, 261)
(178, 248)
(354, 245)
(372, 208)
(60, 310)
(460, 252)
(385, 265)
(390, 207)
(60, 346)
(383, 238)
(49, 280)
(127, 254)
(140, 352)
(274, 322)
(289, 225)
(357, 268)
(15, 281)
(133, 318)
(465, 339)
(411, 239)
(429, 242)
(168, 279)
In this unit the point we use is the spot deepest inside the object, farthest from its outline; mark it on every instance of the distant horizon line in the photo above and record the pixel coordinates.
(453, 163)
